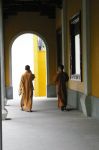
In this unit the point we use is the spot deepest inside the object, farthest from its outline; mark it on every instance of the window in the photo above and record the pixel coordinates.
(75, 42)
(77, 54)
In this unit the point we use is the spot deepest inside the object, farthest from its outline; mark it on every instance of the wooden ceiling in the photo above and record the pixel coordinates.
(44, 7)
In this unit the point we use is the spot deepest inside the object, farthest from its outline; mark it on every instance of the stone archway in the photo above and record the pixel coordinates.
(9, 90)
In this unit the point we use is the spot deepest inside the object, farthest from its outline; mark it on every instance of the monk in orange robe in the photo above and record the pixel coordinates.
(60, 80)
(26, 89)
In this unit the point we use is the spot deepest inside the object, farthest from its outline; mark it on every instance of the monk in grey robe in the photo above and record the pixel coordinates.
(26, 89)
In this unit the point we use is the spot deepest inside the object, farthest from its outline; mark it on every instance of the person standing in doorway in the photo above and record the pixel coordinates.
(26, 89)
(60, 80)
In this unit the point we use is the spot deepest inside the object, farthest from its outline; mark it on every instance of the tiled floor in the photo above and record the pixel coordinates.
(47, 128)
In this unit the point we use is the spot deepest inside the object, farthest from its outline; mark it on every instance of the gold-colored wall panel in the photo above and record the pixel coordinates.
(73, 7)
(40, 68)
(95, 46)
(58, 19)
(30, 23)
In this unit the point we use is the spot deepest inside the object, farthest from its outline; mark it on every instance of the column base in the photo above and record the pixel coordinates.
(86, 105)
(9, 92)
(4, 113)
(5, 102)
(51, 90)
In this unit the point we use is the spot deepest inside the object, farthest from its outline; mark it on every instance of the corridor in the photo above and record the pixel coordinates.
(47, 128)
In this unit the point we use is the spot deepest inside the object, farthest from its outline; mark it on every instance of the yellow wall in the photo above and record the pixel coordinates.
(58, 18)
(73, 6)
(95, 46)
(36, 87)
(39, 70)
(30, 23)
(42, 72)
(7, 74)
(33, 22)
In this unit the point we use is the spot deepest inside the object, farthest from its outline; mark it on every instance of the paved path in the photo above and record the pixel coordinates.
(47, 128)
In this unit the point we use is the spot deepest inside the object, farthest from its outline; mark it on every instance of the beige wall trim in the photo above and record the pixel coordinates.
(3, 99)
(1, 41)
(86, 45)
(64, 34)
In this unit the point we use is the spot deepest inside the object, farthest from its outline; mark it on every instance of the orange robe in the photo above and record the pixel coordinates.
(61, 79)
(26, 90)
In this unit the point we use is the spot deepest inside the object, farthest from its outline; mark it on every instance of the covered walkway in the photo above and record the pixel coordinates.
(47, 128)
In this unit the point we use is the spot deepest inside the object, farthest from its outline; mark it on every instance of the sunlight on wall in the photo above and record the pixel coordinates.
(22, 54)
(77, 54)
(39, 67)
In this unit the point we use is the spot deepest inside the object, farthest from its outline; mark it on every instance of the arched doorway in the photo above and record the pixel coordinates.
(29, 49)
